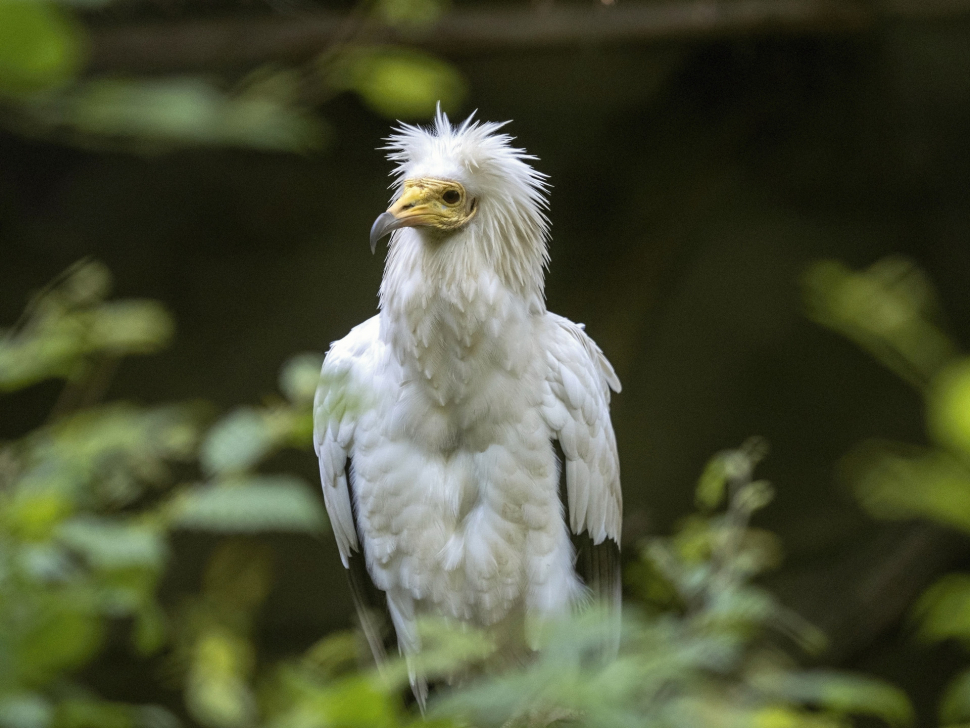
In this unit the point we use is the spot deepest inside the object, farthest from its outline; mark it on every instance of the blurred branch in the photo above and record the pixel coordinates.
(207, 44)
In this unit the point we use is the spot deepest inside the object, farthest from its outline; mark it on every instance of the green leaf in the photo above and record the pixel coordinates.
(948, 406)
(755, 495)
(400, 83)
(411, 13)
(130, 327)
(911, 484)
(110, 544)
(333, 653)
(888, 309)
(25, 710)
(92, 713)
(300, 377)
(943, 610)
(955, 704)
(64, 636)
(358, 701)
(155, 716)
(237, 442)
(261, 503)
(86, 283)
(712, 484)
(33, 513)
(179, 111)
(216, 690)
(40, 46)
(841, 692)
(151, 629)
(54, 351)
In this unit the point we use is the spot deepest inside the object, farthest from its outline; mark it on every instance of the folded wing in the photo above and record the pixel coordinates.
(576, 407)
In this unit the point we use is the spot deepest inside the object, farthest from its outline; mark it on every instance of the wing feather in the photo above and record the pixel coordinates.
(337, 408)
(577, 410)
(341, 399)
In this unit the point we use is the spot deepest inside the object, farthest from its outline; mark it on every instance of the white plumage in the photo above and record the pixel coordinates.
(442, 410)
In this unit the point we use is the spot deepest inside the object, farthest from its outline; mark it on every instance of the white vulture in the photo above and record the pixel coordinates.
(438, 422)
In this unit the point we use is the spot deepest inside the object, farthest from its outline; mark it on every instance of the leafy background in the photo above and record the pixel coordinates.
(697, 181)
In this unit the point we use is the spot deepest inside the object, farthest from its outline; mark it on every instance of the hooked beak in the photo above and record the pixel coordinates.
(411, 209)
(385, 224)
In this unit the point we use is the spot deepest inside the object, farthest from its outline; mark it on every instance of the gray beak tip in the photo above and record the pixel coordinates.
(383, 225)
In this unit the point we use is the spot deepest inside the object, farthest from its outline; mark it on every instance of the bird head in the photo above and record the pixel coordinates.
(467, 187)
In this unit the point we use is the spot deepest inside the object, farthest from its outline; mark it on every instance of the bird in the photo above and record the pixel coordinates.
(468, 461)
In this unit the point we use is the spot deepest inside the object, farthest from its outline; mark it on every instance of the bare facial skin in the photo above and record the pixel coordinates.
(441, 204)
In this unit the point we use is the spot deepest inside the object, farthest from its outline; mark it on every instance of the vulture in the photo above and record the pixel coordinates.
(468, 462)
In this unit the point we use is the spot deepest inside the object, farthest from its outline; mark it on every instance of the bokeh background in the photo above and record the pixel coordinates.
(701, 155)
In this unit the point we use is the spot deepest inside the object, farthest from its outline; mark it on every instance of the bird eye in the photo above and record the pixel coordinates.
(451, 196)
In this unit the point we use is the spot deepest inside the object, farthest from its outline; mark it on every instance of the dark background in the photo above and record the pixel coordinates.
(693, 181)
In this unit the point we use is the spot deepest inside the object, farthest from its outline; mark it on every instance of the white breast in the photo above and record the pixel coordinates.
(454, 471)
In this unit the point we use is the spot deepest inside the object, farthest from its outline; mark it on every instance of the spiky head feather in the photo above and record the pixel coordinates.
(510, 232)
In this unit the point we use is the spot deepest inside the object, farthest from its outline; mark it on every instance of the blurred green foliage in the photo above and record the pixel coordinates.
(44, 92)
(87, 502)
(89, 499)
(891, 310)
(698, 651)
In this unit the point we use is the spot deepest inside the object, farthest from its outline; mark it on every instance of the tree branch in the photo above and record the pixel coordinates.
(238, 43)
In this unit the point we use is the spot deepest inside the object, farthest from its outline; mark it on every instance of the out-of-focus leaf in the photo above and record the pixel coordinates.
(64, 636)
(44, 562)
(263, 503)
(90, 713)
(110, 544)
(755, 495)
(237, 442)
(334, 652)
(58, 340)
(410, 13)
(131, 327)
(926, 484)
(300, 377)
(358, 701)
(943, 610)
(693, 542)
(33, 514)
(777, 716)
(955, 705)
(739, 608)
(712, 484)
(155, 716)
(54, 352)
(447, 646)
(182, 110)
(653, 588)
(217, 693)
(758, 551)
(151, 629)
(398, 82)
(86, 283)
(887, 309)
(842, 692)
(948, 406)
(39, 46)
(107, 454)
(25, 710)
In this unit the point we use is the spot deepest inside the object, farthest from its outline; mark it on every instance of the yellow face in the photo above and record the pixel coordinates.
(426, 202)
